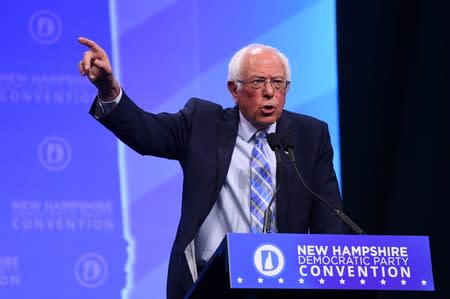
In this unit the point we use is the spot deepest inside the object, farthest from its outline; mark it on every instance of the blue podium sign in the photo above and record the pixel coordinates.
(339, 262)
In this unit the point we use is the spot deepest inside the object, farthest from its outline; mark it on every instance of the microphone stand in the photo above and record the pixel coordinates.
(340, 214)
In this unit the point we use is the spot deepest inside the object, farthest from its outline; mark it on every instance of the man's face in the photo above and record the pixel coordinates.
(263, 106)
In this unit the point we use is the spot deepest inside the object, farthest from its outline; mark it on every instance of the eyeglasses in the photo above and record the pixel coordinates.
(277, 83)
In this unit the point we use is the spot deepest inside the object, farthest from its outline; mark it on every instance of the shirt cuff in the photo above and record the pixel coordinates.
(105, 107)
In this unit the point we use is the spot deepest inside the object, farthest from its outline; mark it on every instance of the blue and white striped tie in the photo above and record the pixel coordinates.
(260, 183)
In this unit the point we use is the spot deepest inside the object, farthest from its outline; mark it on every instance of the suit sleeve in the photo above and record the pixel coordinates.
(162, 135)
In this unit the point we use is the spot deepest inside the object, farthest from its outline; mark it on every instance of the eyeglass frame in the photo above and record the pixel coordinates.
(265, 81)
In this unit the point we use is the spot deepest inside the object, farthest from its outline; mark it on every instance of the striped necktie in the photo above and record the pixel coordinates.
(260, 183)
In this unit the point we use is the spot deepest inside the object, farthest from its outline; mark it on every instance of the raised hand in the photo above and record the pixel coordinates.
(97, 67)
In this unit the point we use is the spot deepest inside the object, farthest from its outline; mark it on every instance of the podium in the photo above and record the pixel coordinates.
(315, 266)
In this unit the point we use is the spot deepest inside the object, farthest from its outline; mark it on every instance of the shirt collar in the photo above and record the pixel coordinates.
(246, 130)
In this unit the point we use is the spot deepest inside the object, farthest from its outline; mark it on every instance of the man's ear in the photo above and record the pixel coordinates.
(232, 87)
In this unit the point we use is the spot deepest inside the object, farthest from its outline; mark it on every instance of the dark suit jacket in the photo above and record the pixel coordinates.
(201, 137)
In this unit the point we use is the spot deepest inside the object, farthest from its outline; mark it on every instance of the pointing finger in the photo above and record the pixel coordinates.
(90, 44)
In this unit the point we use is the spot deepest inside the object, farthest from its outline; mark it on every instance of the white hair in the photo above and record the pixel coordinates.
(235, 65)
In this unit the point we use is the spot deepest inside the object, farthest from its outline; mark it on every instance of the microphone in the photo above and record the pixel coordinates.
(274, 141)
(288, 146)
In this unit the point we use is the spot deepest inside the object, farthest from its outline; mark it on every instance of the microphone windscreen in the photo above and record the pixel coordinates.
(287, 141)
(274, 140)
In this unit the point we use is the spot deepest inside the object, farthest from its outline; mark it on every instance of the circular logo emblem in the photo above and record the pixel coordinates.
(45, 27)
(54, 153)
(268, 260)
(91, 270)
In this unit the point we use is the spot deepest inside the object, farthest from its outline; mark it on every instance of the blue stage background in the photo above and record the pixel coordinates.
(81, 215)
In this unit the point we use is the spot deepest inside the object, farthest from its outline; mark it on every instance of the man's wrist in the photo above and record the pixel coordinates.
(110, 100)
(110, 94)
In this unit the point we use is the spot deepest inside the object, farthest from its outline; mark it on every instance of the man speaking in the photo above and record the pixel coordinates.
(230, 173)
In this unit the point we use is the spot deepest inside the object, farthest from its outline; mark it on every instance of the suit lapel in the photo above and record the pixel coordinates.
(283, 129)
(227, 129)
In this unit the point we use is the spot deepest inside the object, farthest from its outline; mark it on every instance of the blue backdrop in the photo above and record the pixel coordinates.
(77, 208)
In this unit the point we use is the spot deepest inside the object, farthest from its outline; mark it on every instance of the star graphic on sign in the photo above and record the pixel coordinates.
(301, 281)
(281, 280)
(342, 281)
(240, 279)
(322, 281)
(424, 282)
(403, 282)
(260, 280)
(383, 282)
(363, 281)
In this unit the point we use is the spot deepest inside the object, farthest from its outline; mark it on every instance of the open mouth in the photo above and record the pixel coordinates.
(268, 109)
